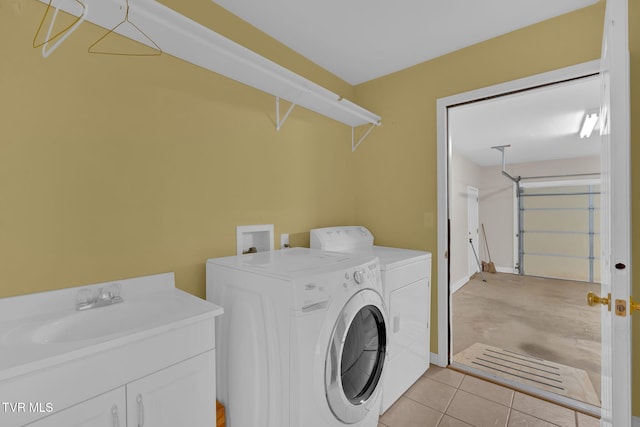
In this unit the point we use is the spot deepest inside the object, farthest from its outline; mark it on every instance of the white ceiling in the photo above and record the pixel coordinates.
(541, 124)
(359, 40)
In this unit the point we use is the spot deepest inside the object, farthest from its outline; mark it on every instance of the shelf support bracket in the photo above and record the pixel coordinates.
(279, 122)
(354, 144)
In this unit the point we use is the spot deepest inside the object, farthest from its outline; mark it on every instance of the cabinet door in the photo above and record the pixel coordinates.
(181, 395)
(105, 410)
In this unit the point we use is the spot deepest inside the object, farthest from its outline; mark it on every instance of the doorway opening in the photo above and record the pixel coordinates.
(527, 325)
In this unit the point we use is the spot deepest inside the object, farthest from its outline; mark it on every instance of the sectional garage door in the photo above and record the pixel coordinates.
(560, 231)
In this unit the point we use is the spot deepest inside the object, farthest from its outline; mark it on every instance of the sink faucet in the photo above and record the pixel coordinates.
(107, 295)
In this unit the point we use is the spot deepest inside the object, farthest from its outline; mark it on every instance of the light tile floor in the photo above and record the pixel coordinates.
(444, 397)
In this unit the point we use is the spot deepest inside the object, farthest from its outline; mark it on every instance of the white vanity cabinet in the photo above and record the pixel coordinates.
(183, 394)
(107, 410)
(147, 361)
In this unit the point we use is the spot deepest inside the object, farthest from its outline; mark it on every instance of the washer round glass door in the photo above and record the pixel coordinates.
(355, 359)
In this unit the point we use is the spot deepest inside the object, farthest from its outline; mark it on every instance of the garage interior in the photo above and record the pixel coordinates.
(524, 196)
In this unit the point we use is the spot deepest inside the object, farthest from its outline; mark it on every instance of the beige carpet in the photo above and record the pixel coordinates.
(546, 319)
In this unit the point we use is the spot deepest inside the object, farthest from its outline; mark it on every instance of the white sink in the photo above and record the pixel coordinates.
(45, 328)
(52, 353)
(93, 324)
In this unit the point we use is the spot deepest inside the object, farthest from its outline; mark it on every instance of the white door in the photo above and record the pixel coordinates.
(472, 208)
(616, 213)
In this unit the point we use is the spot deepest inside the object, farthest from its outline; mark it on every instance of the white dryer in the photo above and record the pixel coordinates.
(303, 338)
(406, 283)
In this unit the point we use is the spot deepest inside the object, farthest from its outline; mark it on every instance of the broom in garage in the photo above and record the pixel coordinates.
(491, 268)
(475, 254)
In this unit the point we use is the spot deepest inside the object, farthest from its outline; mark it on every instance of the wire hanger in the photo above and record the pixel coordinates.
(63, 34)
(156, 49)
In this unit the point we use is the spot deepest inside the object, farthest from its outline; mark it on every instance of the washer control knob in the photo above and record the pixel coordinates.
(357, 276)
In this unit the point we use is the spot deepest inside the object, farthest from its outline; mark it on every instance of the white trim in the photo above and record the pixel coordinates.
(459, 284)
(615, 214)
(636, 421)
(516, 229)
(473, 258)
(510, 270)
(435, 359)
(443, 154)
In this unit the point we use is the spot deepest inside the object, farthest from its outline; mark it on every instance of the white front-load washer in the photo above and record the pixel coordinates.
(303, 338)
(406, 284)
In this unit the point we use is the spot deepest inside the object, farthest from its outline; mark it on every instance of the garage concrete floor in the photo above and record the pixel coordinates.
(544, 318)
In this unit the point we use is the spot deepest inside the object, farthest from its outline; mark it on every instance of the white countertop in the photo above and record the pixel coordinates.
(152, 305)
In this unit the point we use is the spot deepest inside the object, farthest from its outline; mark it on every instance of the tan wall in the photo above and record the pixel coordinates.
(396, 183)
(118, 167)
(114, 167)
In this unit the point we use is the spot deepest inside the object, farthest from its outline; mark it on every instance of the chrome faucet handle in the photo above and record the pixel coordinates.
(105, 293)
(116, 289)
(98, 297)
(111, 291)
(85, 296)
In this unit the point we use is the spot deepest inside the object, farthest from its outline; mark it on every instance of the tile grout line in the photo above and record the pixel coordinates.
(424, 404)
(442, 382)
(510, 405)
(513, 396)
(443, 413)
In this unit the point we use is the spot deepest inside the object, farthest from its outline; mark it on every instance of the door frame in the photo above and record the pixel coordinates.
(443, 160)
(615, 130)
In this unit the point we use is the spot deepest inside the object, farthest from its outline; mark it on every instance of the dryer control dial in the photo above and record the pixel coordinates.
(357, 276)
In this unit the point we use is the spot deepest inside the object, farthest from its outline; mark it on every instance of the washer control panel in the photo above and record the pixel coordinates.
(316, 294)
(367, 275)
(358, 277)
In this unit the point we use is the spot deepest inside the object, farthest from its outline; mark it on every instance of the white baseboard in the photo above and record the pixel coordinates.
(434, 359)
(636, 421)
(507, 270)
(459, 284)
